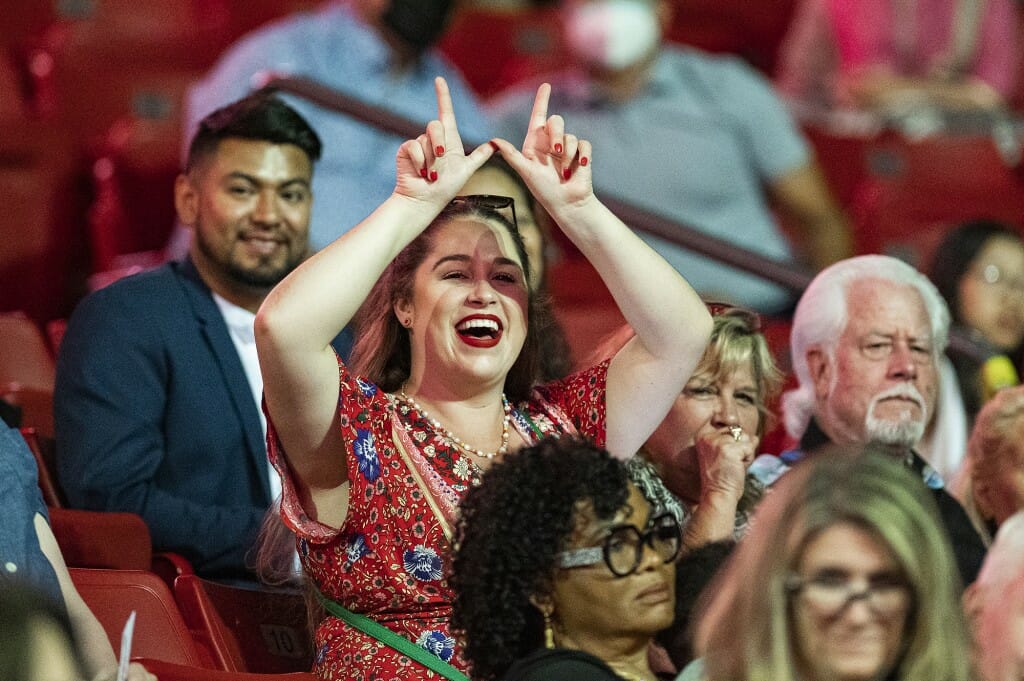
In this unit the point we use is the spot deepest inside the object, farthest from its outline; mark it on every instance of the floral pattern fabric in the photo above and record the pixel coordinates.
(389, 559)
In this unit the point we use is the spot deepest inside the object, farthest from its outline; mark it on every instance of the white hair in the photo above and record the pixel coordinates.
(821, 317)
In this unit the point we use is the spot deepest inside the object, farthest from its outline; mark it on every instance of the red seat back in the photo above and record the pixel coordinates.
(36, 405)
(100, 539)
(251, 630)
(160, 632)
(914, 190)
(25, 357)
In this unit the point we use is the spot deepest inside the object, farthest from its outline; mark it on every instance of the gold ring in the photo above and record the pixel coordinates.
(737, 432)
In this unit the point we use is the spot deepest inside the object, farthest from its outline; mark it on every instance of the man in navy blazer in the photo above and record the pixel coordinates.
(157, 400)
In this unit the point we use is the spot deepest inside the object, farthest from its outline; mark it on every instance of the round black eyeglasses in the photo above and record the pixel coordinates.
(622, 550)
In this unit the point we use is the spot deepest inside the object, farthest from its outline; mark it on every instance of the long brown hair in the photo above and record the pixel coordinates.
(382, 352)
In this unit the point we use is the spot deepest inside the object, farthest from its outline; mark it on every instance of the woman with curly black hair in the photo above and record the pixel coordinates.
(561, 570)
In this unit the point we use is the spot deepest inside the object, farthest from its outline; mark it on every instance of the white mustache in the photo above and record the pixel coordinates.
(904, 390)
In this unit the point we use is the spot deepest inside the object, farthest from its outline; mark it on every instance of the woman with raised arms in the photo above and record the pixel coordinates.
(375, 456)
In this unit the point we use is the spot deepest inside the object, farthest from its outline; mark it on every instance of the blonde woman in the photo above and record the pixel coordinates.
(696, 461)
(845, 575)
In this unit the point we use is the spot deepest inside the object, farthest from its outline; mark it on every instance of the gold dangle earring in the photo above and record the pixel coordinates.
(549, 631)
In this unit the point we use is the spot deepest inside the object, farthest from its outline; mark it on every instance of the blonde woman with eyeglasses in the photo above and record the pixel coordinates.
(846, 575)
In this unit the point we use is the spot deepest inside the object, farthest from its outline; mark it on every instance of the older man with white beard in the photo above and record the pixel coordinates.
(866, 338)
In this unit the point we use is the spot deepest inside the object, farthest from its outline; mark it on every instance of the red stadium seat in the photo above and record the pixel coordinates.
(55, 329)
(752, 30)
(166, 671)
(36, 405)
(98, 539)
(247, 630)
(518, 44)
(41, 229)
(133, 171)
(915, 190)
(160, 632)
(25, 357)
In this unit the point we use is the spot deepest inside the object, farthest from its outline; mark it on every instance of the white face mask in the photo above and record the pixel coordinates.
(613, 34)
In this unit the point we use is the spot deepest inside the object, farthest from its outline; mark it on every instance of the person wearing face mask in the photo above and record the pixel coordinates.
(699, 139)
(378, 51)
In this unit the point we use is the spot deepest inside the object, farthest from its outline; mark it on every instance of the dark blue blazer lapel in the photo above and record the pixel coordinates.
(217, 335)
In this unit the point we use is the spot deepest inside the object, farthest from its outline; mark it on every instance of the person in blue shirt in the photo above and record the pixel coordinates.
(377, 52)
(30, 557)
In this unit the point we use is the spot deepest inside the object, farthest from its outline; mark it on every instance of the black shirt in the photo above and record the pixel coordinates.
(560, 664)
(968, 548)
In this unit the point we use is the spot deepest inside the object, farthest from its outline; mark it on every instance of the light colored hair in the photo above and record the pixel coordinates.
(735, 340)
(873, 492)
(821, 317)
(992, 449)
(996, 598)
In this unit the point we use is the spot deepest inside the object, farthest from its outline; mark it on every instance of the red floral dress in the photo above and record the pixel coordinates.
(389, 559)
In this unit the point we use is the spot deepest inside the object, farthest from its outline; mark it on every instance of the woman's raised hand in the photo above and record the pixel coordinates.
(554, 164)
(724, 457)
(434, 166)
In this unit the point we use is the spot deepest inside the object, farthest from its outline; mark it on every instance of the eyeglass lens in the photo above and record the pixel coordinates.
(884, 596)
(623, 549)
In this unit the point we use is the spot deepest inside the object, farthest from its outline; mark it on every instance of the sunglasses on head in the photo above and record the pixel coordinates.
(494, 202)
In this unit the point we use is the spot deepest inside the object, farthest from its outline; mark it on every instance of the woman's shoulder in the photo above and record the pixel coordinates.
(560, 664)
(574, 404)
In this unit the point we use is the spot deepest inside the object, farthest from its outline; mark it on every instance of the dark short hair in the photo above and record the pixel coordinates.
(260, 117)
(956, 253)
(511, 528)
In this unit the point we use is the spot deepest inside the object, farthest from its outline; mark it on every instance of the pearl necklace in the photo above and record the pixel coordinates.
(454, 439)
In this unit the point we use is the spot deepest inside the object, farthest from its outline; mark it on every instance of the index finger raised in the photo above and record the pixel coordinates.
(539, 115)
(445, 108)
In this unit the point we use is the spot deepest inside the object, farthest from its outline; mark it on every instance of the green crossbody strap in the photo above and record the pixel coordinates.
(533, 426)
(391, 639)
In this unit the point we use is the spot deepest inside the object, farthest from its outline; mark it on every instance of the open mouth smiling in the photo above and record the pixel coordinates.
(481, 331)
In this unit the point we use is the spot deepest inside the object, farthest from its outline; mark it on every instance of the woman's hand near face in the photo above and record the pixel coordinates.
(723, 461)
(671, 323)
(434, 166)
(554, 164)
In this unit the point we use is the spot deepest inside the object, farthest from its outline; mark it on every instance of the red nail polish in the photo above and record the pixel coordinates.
(433, 175)
(567, 173)
(558, 148)
(494, 145)
(423, 172)
(584, 160)
(439, 150)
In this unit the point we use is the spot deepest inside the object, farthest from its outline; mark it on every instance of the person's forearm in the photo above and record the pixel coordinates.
(880, 90)
(668, 316)
(714, 519)
(827, 238)
(313, 303)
